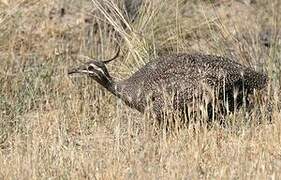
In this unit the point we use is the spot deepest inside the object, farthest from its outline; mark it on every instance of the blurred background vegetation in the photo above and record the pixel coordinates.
(54, 126)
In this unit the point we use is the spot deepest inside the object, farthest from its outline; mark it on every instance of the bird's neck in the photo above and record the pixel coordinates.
(109, 84)
(112, 86)
(117, 89)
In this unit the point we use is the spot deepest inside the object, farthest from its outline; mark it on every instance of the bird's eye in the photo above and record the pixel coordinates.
(91, 68)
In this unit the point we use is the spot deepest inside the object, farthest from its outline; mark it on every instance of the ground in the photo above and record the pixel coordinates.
(54, 126)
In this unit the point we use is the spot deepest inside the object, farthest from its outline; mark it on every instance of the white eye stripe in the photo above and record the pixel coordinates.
(93, 65)
(97, 68)
(87, 71)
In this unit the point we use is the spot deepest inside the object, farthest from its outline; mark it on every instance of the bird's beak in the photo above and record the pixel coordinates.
(72, 71)
(81, 69)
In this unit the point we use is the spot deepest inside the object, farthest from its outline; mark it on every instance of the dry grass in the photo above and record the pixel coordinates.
(53, 126)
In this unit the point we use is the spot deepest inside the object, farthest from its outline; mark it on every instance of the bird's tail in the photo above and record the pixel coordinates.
(256, 80)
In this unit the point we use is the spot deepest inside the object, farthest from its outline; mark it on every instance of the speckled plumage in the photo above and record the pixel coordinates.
(184, 77)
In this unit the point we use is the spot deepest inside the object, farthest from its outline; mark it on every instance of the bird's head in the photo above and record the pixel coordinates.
(95, 69)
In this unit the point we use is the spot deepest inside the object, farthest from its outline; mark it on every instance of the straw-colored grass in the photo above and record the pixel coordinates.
(54, 126)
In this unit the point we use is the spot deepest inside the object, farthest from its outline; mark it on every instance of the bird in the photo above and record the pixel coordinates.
(186, 78)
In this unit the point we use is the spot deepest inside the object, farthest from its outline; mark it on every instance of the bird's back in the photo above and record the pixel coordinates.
(186, 73)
